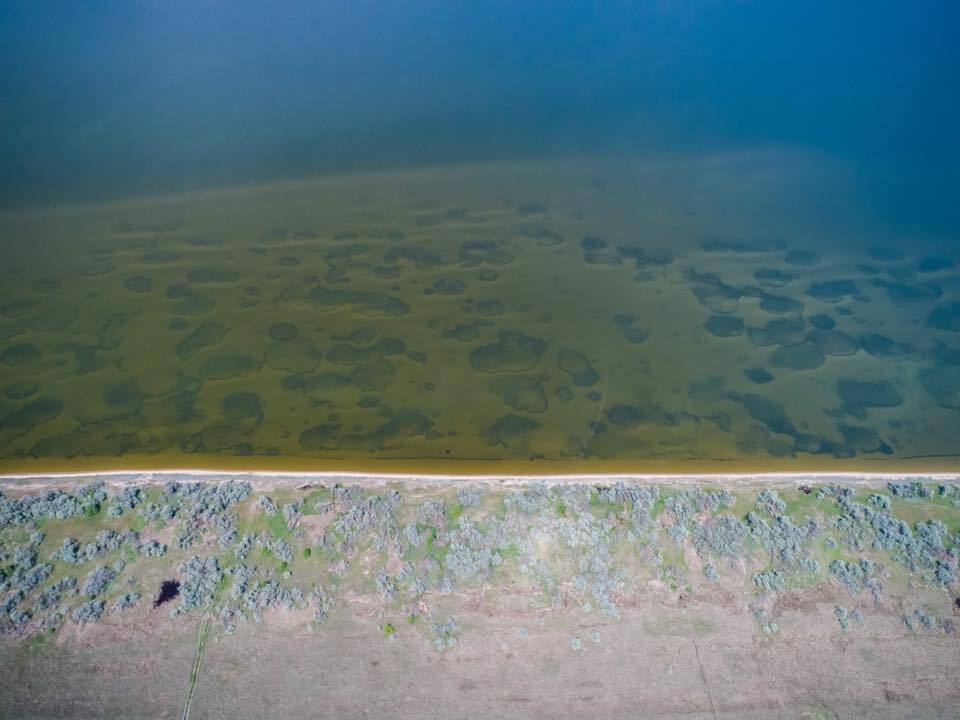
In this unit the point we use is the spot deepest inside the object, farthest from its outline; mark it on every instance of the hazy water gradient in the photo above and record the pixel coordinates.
(588, 233)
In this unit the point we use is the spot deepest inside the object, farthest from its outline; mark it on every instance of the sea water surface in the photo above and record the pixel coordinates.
(498, 237)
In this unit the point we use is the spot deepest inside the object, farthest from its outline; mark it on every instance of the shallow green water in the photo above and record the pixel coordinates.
(731, 309)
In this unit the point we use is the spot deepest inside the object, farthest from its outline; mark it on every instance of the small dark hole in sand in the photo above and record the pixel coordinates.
(169, 589)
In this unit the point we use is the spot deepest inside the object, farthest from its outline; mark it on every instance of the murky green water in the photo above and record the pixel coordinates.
(732, 310)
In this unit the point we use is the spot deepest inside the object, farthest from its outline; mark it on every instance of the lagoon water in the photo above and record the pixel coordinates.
(455, 289)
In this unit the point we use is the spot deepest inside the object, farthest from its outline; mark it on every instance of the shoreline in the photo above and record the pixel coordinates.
(262, 478)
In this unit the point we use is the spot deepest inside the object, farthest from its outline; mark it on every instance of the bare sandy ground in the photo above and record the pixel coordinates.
(700, 661)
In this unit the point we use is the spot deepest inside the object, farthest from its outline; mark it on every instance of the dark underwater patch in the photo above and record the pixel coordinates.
(805, 356)
(519, 392)
(515, 351)
(725, 326)
(802, 258)
(578, 367)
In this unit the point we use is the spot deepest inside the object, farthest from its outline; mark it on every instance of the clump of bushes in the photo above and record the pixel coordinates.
(769, 581)
(853, 575)
(910, 490)
(920, 618)
(769, 501)
(54, 504)
(470, 496)
(292, 512)
(88, 612)
(128, 601)
(200, 580)
(445, 634)
(153, 548)
(267, 506)
(126, 499)
(99, 579)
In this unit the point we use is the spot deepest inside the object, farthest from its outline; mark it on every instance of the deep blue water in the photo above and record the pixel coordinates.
(101, 99)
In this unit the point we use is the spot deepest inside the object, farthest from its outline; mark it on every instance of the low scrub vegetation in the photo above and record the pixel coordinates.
(234, 555)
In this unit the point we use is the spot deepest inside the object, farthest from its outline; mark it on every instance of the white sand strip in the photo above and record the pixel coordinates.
(261, 478)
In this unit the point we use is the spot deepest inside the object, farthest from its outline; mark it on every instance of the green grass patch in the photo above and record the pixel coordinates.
(453, 512)
(278, 527)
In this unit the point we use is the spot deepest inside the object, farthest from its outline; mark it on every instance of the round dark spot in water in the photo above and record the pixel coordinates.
(623, 320)
(805, 356)
(592, 244)
(368, 401)
(242, 406)
(885, 253)
(46, 286)
(283, 331)
(490, 308)
(212, 275)
(193, 305)
(594, 396)
(386, 272)
(21, 390)
(228, 365)
(298, 355)
(449, 286)
(428, 291)
(97, 269)
(428, 386)
(823, 322)
(179, 290)
(54, 319)
(199, 241)
(487, 275)
(159, 257)
(903, 295)
(177, 324)
(801, 258)
(514, 352)
(288, 261)
(390, 346)
(758, 375)
(519, 392)
(934, 264)
(576, 365)
(510, 430)
(636, 335)
(945, 317)
(206, 335)
(17, 308)
(769, 277)
(834, 342)
(859, 396)
(564, 393)
(881, 346)
(22, 354)
(833, 290)
(724, 326)
(138, 284)
(779, 305)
